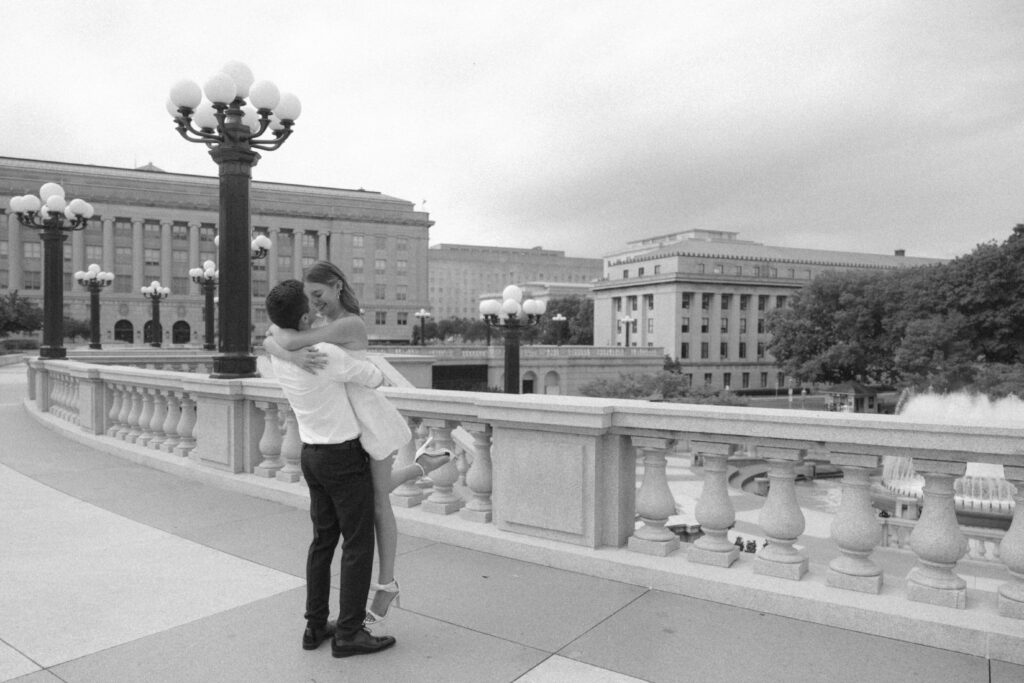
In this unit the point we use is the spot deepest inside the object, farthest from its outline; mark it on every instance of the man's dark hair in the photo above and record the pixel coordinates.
(286, 304)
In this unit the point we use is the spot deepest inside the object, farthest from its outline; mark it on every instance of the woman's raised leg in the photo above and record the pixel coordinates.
(387, 534)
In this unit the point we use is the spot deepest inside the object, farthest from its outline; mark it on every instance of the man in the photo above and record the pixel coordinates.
(337, 471)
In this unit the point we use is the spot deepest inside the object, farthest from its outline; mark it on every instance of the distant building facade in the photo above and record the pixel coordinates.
(461, 273)
(704, 297)
(151, 225)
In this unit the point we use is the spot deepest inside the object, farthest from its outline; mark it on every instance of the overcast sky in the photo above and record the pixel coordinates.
(864, 126)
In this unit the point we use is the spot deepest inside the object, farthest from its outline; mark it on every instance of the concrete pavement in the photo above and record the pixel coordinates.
(111, 571)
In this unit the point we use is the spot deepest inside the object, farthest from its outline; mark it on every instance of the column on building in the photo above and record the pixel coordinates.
(108, 245)
(297, 254)
(715, 329)
(193, 253)
(15, 273)
(275, 239)
(321, 254)
(166, 256)
(78, 252)
(138, 256)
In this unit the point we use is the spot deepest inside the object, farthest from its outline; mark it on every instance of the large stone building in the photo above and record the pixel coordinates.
(703, 296)
(461, 273)
(151, 225)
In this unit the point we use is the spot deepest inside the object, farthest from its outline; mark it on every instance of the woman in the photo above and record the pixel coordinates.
(384, 430)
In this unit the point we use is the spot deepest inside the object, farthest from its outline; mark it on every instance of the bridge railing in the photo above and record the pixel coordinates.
(564, 469)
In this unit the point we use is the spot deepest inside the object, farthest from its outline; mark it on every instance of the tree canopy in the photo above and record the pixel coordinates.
(946, 325)
(18, 314)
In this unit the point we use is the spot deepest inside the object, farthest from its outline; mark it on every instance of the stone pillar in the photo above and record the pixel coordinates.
(654, 502)
(1011, 550)
(297, 254)
(92, 403)
(166, 256)
(321, 253)
(15, 273)
(275, 239)
(936, 539)
(78, 253)
(781, 517)
(714, 510)
(270, 442)
(479, 478)
(109, 251)
(443, 500)
(193, 254)
(855, 527)
(291, 449)
(138, 258)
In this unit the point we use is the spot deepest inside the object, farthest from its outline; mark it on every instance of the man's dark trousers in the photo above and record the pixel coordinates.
(340, 505)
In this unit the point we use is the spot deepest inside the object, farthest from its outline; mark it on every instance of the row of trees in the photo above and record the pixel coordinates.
(578, 327)
(950, 326)
(22, 315)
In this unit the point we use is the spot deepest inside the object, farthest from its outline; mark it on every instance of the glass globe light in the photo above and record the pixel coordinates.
(205, 117)
(512, 292)
(511, 307)
(172, 109)
(80, 275)
(55, 203)
(30, 203)
(288, 108)
(94, 268)
(241, 75)
(531, 307)
(209, 265)
(50, 189)
(275, 123)
(264, 95)
(77, 207)
(490, 307)
(251, 118)
(220, 89)
(186, 94)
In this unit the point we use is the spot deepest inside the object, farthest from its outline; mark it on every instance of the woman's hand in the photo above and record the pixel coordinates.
(309, 359)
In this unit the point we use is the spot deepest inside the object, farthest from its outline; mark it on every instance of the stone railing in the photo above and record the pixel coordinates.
(563, 470)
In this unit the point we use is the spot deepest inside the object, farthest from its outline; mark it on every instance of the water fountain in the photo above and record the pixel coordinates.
(983, 497)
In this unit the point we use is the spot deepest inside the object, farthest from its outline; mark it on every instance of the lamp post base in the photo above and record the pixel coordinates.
(234, 367)
(53, 352)
(97, 345)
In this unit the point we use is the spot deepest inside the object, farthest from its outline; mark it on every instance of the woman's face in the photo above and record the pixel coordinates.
(323, 299)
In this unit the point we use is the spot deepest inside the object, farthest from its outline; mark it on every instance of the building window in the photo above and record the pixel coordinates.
(744, 302)
(401, 292)
(685, 326)
(760, 325)
(625, 274)
(357, 265)
(686, 299)
(718, 269)
(650, 325)
(725, 325)
(705, 324)
(773, 272)
(764, 380)
(707, 379)
(640, 272)
(737, 270)
(762, 302)
(705, 302)
(780, 379)
(727, 379)
(723, 350)
(760, 349)
(152, 257)
(649, 300)
(688, 376)
(207, 233)
(357, 241)
(745, 380)
(743, 325)
(402, 266)
(780, 302)
(403, 317)
(704, 351)
(32, 279)
(380, 266)
(617, 302)
(700, 268)
(726, 301)
(402, 244)
(684, 350)
(308, 242)
(380, 292)
(657, 269)
(94, 253)
(32, 249)
(4, 246)
(743, 349)
(151, 230)
(632, 303)
(284, 264)
(380, 318)
(381, 243)
(123, 228)
(179, 232)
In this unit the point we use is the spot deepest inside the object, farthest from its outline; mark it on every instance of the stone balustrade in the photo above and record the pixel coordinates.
(564, 469)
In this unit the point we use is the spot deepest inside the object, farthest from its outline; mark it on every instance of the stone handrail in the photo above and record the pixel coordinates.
(564, 468)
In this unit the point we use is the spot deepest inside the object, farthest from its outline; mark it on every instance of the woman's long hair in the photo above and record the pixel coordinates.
(326, 273)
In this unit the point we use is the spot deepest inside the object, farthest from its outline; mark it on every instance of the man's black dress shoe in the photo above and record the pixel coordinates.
(361, 644)
(313, 636)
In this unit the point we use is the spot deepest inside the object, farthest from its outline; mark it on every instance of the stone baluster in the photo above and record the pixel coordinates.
(463, 461)
(714, 510)
(186, 427)
(76, 388)
(56, 385)
(479, 478)
(855, 527)
(654, 502)
(127, 401)
(409, 493)
(443, 500)
(113, 417)
(936, 539)
(170, 428)
(1011, 550)
(291, 448)
(781, 517)
(156, 424)
(145, 417)
(133, 417)
(270, 441)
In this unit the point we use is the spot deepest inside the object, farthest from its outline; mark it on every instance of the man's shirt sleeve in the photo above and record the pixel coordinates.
(342, 367)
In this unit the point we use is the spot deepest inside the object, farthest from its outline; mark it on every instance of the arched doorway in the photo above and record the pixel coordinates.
(529, 382)
(181, 333)
(124, 331)
(551, 383)
(147, 332)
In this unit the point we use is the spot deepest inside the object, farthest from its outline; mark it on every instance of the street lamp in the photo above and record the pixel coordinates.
(231, 128)
(54, 217)
(155, 292)
(559, 319)
(206, 277)
(94, 280)
(629, 323)
(423, 314)
(259, 247)
(512, 315)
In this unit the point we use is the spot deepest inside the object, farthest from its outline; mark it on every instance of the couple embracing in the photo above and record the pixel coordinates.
(349, 435)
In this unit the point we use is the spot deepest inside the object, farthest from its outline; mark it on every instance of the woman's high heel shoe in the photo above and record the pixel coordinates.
(389, 589)
(429, 460)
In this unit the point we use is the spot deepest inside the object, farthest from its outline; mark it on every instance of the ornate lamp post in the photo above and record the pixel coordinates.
(558, 318)
(423, 314)
(628, 320)
(231, 128)
(259, 247)
(155, 293)
(206, 277)
(53, 217)
(94, 280)
(512, 315)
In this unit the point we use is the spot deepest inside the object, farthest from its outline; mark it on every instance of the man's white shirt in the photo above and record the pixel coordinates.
(319, 400)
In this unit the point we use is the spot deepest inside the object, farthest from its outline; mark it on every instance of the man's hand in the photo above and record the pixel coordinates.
(310, 360)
